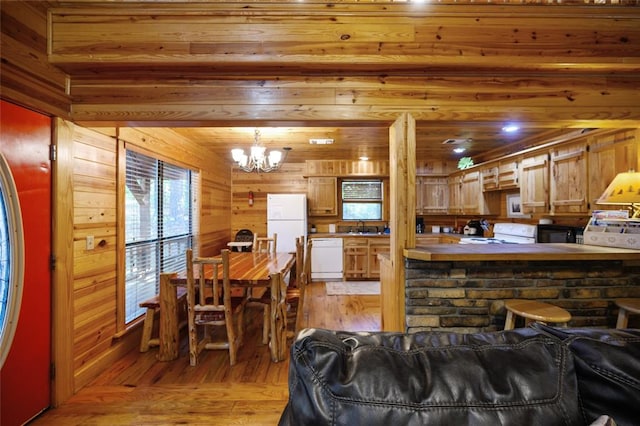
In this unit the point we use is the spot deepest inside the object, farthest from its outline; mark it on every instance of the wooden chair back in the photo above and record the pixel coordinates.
(209, 303)
(265, 244)
(299, 261)
(305, 278)
(278, 316)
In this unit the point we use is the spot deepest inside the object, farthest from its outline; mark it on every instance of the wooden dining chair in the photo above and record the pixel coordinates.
(210, 304)
(296, 293)
(265, 244)
(259, 298)
(264, 300)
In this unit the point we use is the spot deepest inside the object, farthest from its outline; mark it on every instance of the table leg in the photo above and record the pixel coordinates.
(169, 333)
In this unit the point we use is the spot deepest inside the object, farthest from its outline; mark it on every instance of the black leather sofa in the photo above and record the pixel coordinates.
(532, 376)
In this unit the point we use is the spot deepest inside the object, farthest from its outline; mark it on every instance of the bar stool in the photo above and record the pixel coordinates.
(532, 310)
(627, 306)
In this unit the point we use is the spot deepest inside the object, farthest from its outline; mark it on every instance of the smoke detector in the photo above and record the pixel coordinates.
(457, 141)
(320, 141)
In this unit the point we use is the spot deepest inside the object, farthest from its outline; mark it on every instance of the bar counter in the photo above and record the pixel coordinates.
(462, 287)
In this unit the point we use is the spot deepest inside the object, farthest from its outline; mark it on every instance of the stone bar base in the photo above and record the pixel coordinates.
(468, 296)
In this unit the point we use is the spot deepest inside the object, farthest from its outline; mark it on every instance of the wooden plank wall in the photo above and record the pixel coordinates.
(94, 339)
(94, 271)
(27, 76)
(287, 180)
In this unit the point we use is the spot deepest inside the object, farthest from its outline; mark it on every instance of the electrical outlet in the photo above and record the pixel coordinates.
(90, 242)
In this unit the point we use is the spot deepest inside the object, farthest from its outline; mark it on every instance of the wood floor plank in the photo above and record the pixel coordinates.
(139, 390)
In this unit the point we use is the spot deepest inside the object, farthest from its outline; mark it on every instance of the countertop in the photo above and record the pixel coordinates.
(554, 251)
(370, 235)
(346, 235)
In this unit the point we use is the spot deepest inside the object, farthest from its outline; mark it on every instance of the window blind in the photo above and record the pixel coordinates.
(159, 211)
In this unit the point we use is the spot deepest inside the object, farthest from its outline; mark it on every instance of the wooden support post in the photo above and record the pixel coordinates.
(402, 179)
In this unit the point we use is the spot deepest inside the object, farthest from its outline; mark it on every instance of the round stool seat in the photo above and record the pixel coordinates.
(533, 310)
(626, 306)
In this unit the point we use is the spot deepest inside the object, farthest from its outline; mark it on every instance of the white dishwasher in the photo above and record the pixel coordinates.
(326, 258)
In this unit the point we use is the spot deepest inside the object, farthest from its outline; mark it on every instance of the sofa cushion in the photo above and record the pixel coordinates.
(511, 377)
(607, 366)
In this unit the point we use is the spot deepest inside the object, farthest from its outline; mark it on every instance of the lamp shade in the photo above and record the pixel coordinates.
(623, 190)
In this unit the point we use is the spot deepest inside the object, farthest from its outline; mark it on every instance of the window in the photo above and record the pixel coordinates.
(159, 224)
(362, 200)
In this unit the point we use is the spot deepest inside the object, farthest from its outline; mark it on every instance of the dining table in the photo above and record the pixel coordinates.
(247, 270)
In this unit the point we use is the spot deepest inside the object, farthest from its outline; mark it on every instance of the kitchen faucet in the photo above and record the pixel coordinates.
(361, 222)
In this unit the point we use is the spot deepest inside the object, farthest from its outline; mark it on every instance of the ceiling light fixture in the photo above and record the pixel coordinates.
(510, 128)
(459, 150)
(258, 159)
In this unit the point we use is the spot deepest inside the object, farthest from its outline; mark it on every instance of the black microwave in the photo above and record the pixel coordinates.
(558, 234)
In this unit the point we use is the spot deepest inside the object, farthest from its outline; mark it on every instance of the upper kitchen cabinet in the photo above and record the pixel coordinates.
(534, 183)
(454, 182)
(609, 154)
(568, 183)
(500, 175)
(323, 196)
(432, 195)
(489, 174)
(508, 174)
(432, 187)
(466, 195)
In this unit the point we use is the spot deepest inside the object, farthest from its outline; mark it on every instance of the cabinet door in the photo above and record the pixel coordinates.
(455, 195)
(376, 246)
(490, 178)
(609, 155)
(568, 168)
(323, 196)
(508, 174)
(356, 257)
(534, 184)
(471, 193)
(432, 194)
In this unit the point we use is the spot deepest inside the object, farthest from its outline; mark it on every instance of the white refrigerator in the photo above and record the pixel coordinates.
(287, 217)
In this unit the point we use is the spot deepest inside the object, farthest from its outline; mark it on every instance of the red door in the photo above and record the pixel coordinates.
(25, 383)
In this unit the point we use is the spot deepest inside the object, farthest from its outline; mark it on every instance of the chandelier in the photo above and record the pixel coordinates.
(258, 159)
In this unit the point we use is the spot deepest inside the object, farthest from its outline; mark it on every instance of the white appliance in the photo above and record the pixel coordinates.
(326, 259)
(287, 217)
(506, 233)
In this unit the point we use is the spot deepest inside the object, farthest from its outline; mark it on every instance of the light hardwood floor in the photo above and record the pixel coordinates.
(139, 390)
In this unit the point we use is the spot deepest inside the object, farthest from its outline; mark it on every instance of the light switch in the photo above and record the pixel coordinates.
(90, 242)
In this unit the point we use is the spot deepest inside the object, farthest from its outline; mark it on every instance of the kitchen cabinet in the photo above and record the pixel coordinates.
(323, 196)
(490, 177)
(568, 180)
(508, 174)
(361, 256)
(356, 257)
(376, 247)
(473, 199)
(471, 193)
(499, 175)
(610, 154)
(432, 194)
(534, 183)
(455, 194)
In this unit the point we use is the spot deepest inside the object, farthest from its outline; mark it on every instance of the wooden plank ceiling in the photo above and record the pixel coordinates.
(344, 70)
